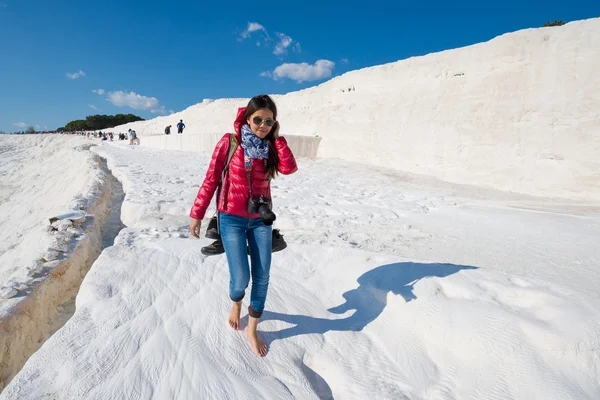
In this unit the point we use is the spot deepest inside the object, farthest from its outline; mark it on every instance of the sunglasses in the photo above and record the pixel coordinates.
(259, 121)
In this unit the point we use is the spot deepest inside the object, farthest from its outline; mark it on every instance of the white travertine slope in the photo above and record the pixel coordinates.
(517, 113)
(42, 176)
(392, 287)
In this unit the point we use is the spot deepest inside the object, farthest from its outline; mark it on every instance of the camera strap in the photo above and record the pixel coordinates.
(248, 168)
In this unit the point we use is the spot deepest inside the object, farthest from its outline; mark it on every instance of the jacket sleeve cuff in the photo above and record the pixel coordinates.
(196, 212)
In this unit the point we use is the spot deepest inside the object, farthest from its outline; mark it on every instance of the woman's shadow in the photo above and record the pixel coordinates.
(369, 299)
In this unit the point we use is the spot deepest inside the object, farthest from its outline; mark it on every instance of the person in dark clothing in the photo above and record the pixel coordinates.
(180, 126)
(168, 130)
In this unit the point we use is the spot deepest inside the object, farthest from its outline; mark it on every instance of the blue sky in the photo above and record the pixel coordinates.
(150, 57)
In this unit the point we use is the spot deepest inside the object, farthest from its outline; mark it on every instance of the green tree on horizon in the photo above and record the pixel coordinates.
(97, 122)
(555, 23)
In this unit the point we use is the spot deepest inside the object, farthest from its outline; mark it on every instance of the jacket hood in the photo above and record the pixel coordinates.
(239, 120)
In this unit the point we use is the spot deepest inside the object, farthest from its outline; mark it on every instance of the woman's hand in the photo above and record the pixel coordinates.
(276, 130)
(195, 228)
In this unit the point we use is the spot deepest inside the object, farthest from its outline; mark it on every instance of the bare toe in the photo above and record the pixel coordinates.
(258, 346)
(263, 350)
(234, 315)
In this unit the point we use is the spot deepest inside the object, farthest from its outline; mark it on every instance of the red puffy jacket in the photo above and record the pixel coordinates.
(234, 195)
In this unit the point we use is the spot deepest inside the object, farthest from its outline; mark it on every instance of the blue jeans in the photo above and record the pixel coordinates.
(235, 233)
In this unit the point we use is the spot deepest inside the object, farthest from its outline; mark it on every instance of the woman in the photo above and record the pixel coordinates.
(261, 155)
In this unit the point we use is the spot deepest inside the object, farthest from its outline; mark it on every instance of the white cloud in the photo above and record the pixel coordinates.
(20, 124)
(344, 61)
(255, 26)
(252, 27)
(160, 110)
(284, 42)
(99, 91)
(302, 72)
(133, 100)
(76, 75)
(93, 107)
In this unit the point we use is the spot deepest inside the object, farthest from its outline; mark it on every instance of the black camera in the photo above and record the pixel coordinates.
(262, 206)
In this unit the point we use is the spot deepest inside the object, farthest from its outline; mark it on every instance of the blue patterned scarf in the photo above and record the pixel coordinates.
(254, 147)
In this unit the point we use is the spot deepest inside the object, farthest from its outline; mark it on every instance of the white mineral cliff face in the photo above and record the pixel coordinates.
(517, 113)
(34, 298)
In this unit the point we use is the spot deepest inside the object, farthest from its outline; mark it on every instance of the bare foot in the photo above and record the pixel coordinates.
(259, 347)
(234, 315)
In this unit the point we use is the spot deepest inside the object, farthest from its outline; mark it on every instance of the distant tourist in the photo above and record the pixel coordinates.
(244, 205)
(168, 130)
(180, 126)
(132, 136)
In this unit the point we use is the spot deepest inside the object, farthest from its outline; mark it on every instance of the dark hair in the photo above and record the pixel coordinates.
(255, 104)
